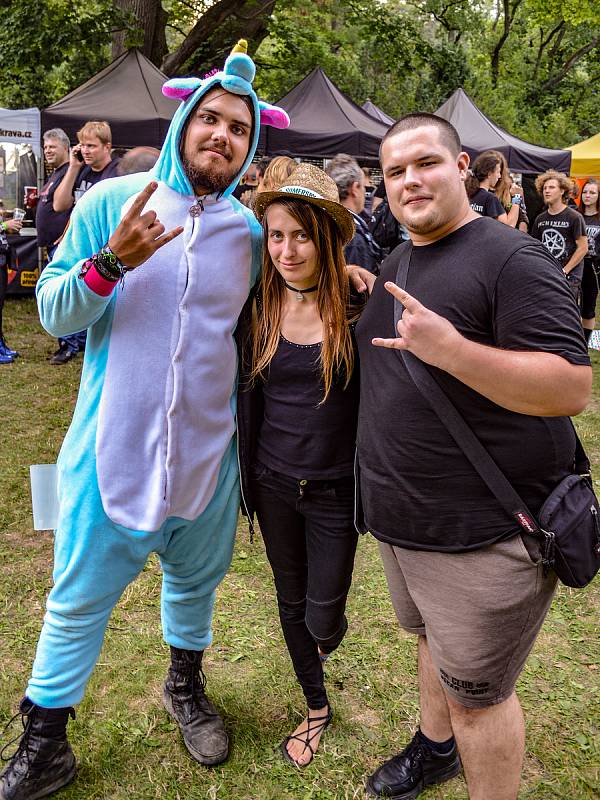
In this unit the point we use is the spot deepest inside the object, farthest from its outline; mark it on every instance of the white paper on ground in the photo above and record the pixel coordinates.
(44, 496)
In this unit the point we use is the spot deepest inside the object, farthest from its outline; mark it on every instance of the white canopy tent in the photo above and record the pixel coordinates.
(20, 153)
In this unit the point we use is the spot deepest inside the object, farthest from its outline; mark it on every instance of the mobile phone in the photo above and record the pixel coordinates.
(78, 156)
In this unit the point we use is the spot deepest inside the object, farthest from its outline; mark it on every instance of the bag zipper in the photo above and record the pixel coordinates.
(594, 513)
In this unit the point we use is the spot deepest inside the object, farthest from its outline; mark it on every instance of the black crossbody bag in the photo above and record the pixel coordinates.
(567, 525)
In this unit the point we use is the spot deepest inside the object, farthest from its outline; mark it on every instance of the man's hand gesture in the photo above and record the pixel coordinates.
(424, 333)
(139, 235)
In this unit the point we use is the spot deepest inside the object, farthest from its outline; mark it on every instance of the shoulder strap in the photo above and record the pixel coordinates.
(462, 434)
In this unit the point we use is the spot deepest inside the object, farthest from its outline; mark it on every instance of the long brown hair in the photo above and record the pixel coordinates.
(333, 295)
(502, 188)
(480, 169)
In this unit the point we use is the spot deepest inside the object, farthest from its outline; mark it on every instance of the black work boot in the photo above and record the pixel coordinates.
(44, 761)
(183, 695)
(406, 775)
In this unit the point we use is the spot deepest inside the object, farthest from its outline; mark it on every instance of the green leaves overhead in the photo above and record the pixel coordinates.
(532, 65)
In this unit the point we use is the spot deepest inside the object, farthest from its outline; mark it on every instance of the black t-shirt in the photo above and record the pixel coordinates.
(300, 436)
(499, 288)
(592, 228)
(87, 177)
(558, 233)
(241, 188)
(380, 190)
(49, 223)
(486, 203)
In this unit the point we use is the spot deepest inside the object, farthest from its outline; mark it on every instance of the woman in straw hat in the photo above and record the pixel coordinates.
(297, 417)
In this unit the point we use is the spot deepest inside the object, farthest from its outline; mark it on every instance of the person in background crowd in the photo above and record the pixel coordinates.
(510, 194)
(51, 224)
(590, 209)
(7, 355)
(487, 311)
(248, 184)
(138, 159)
(379, 196)
(362, 250)
(248, 197)
(297, 412)
(276, 173)
(369, 190)
(90, 162)
(484, 174)
(573, 196)
(560, 229)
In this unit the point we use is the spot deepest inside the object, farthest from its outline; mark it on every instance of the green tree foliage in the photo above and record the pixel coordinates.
(49, 47)
(532, 65)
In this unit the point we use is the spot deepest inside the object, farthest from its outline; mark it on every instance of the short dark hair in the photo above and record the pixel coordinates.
(421, 119)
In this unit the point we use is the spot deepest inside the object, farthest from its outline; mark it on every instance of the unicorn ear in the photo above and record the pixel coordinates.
(180, 88)
(273, 115)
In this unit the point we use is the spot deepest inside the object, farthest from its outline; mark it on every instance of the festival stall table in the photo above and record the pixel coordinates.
(23, 262)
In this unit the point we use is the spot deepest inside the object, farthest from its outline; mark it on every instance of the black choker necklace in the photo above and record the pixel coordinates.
(301, 292)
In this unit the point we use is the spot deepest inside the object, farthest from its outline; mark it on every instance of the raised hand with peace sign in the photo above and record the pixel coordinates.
(139, 235)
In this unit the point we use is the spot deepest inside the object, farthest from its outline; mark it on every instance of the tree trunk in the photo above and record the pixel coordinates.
(215, 33)
(151, 19)
(509, 16)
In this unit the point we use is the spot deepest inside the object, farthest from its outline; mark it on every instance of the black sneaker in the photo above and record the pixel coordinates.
(406, 775)
(63, 354)
(184, 697)
(43, 762)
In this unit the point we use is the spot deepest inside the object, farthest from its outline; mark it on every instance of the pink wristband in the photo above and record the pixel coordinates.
(96, 282)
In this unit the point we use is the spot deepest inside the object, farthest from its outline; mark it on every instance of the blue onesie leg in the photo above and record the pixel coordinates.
(94, 560)
(94, 563)
(195, 559)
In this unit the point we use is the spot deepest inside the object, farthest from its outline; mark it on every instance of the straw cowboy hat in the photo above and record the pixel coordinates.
(312, 185)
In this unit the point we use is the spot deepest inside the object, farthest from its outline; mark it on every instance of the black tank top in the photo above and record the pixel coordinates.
(299, 437)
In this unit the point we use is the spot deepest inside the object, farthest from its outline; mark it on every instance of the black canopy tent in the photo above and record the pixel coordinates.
(324, 122)
(478, 133)
(127, 94)
(377, 113)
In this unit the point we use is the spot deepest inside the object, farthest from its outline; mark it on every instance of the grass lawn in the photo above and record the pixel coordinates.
(128, 748)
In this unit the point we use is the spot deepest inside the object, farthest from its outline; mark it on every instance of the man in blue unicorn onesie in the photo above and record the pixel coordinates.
(149, 463)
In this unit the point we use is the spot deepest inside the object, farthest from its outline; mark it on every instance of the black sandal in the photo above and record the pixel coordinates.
(306, 738)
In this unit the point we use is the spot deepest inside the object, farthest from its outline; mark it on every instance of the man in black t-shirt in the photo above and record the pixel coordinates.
(90, 162)
(561, 229)
(49, 223)
(487, 309)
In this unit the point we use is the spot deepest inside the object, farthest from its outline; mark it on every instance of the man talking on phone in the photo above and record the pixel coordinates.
(90, 162)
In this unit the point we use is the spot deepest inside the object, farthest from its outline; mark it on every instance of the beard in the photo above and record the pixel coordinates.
(209, 180)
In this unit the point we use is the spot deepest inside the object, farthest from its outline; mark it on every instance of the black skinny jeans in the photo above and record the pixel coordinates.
(310, 538)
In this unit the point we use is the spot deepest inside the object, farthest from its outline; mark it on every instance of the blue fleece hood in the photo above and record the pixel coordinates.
(236, 77)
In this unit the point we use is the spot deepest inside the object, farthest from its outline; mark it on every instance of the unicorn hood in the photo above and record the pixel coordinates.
(235, 77)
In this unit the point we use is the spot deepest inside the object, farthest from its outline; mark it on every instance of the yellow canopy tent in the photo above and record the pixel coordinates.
(586, 157)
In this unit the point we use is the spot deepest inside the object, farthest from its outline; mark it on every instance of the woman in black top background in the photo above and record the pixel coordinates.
(484, 174)
(297, 416)
(589, 205)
